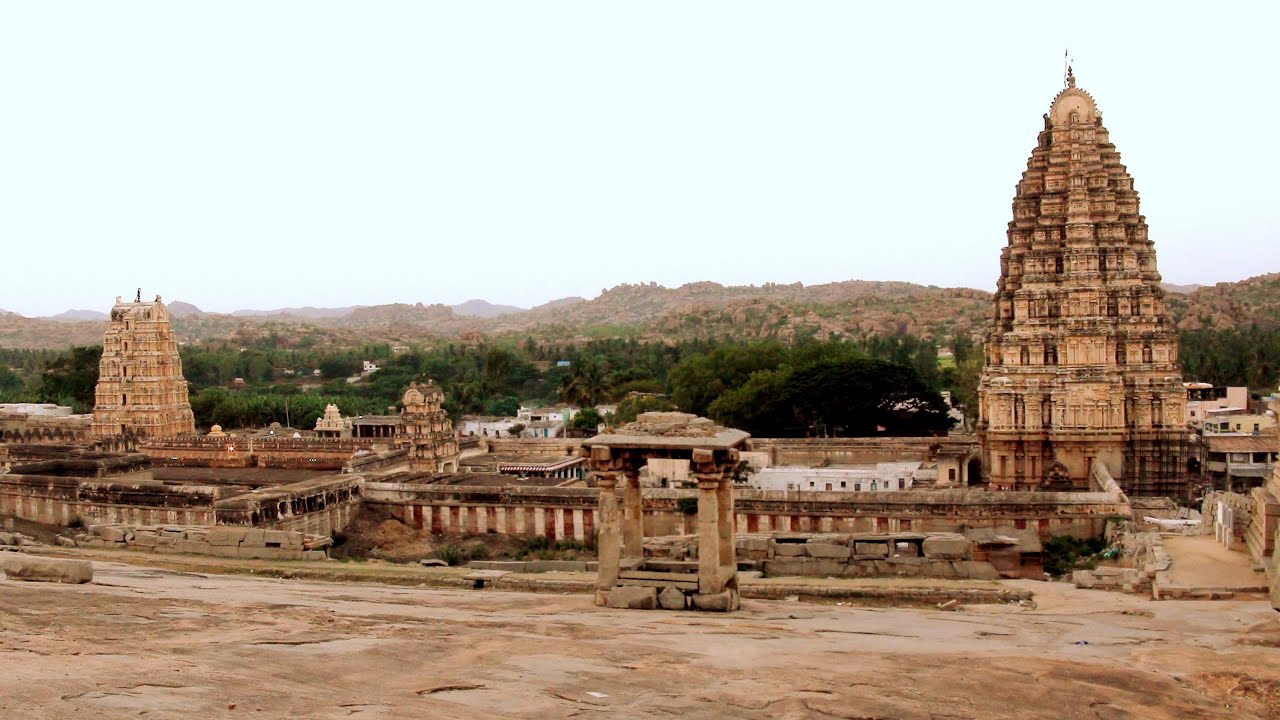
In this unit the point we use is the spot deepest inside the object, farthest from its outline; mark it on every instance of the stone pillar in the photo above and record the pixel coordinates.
(724, 523)
(609, 543)
(709, 582)
(632, 516)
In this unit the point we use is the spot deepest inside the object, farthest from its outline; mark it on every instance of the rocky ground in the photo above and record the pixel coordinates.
(155, 643)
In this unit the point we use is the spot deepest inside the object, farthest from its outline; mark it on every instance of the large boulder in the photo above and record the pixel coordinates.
(42, 569)
(949, 546)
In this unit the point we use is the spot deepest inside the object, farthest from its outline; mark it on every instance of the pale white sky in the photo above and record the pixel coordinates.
(268, 154)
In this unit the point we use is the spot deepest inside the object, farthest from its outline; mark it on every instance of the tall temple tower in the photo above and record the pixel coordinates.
(141, 391)
(1082, 358)
(433, 447)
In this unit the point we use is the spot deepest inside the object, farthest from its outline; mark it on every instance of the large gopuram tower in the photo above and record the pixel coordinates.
(141, 391)
(1082, 359)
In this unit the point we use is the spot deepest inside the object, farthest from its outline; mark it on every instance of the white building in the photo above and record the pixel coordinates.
(485, 426)
(880, 477)
(1204, 399)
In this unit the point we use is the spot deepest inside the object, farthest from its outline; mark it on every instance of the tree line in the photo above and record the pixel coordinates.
(770, 388)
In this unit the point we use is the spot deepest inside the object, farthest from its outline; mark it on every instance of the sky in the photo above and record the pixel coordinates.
(273, 154)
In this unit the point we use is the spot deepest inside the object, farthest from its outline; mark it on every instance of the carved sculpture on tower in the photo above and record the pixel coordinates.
(141, 391)
(1082, 356)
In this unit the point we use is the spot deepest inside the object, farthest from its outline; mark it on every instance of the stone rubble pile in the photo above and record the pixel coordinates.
(16, 539)
(1144, 562)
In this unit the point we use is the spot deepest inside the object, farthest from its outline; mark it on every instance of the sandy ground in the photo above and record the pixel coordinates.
(1201, 561)
(149, 643)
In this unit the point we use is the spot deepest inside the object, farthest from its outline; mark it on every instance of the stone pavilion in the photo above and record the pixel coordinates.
(626, 578)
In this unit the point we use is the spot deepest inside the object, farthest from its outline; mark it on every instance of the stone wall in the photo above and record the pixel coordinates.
(234, 542)
(230, 451)
(63, 501)
(942, 555)
(1242, 512)
(321, 505)
(571, 513)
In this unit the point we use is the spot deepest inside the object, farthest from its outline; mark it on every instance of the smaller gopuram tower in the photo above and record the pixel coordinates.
(433, 447)
(141, 391)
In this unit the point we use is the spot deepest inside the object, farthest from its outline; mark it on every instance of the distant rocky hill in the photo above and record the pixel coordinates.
(1256, 300)
(484, 309)
(79, 315)
(648, 312)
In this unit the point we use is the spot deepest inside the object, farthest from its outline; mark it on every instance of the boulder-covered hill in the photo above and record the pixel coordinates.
(655, 313)
(1234, 304)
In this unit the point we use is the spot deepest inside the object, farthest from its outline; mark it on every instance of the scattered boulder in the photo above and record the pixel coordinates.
(671, 599)
(630, 597)
(33, 568)
(726, 601)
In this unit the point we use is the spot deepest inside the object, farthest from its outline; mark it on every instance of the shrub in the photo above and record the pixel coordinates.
(1063, 554)
(687, 505)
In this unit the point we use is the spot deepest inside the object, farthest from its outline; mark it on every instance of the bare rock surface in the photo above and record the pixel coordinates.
(160, 644)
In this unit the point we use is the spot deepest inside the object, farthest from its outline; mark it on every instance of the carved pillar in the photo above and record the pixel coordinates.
(709, 582)
(632, 516)
(609, 543)
(724, 522)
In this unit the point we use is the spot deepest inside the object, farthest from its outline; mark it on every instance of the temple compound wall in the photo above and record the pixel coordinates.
(572, 513)
(141, 391)
(234, 451)
(41, 429)
(319, 506)
(1082, 355)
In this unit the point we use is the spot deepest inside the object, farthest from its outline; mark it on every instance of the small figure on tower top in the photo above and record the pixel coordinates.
(138, 298)
(1071, 77)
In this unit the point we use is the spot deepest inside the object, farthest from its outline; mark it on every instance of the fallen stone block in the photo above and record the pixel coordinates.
(282, 538)
(314, 555)
(827, 568)
(975, 570)
(827, 550)
(225, 536)
(726, 601)
(629, 597)
(111, 533)
(671, 599)
(777, 568)
(790, 550)
(42, 569)
(867, 549)
(948, 547)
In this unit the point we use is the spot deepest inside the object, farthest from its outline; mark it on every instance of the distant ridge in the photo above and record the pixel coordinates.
(484, 309)
(79, 315)
(647, 312)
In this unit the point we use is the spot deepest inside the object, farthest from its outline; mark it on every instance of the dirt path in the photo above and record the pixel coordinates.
(1200, 561)
(154, 643)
